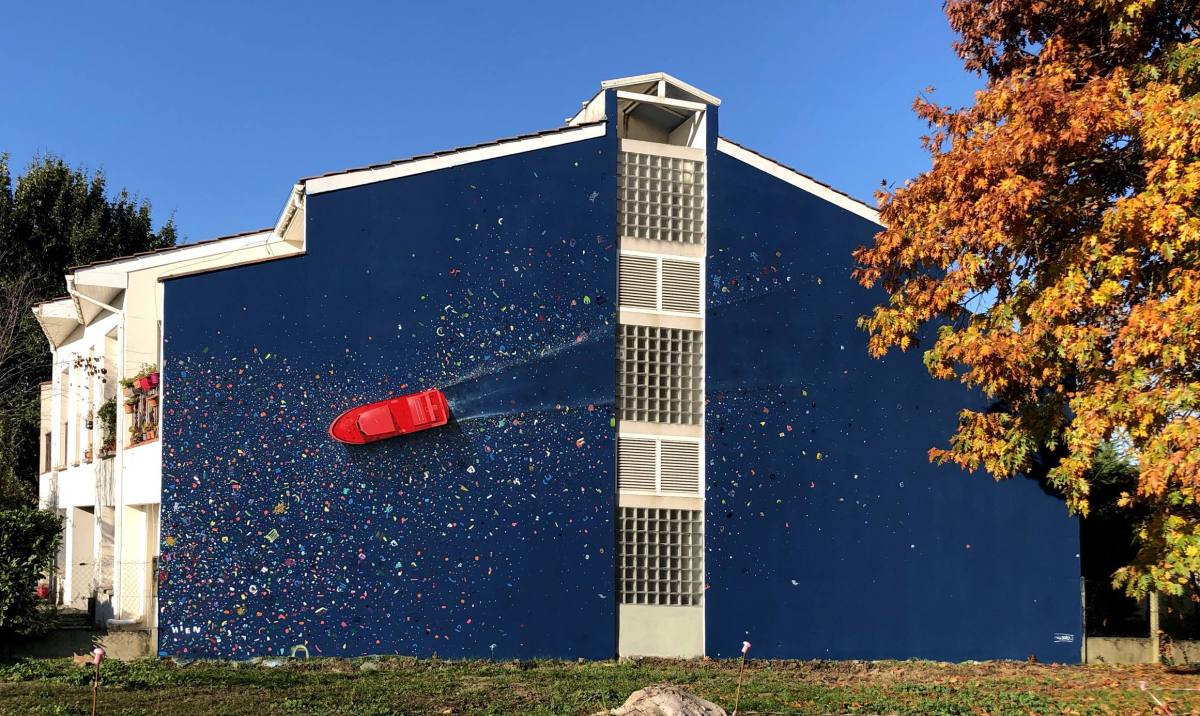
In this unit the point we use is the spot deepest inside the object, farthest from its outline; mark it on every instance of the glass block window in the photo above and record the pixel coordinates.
(661, 556)
(661, 374)
(660, 198)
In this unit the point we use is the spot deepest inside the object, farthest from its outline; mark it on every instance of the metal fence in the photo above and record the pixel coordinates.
(122, 590)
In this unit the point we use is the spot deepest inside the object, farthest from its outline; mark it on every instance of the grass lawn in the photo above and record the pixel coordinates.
(407, 686)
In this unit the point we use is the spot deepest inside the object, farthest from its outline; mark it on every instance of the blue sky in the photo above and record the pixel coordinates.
(212, 110)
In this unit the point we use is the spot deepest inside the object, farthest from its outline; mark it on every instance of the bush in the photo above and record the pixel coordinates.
(29, 539)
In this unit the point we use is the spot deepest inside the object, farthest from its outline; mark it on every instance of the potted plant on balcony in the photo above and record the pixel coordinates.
(130, 404)
(127, 387)
(146, 378)
(87, 454)
(152, 401)
(107, 413)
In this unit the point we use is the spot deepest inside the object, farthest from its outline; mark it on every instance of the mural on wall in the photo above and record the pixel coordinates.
(491, 536)
(829, 534)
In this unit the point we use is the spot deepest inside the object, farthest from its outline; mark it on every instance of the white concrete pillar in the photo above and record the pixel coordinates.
(83, 561)
(135, 556)
(1155, 633)
(68, 550)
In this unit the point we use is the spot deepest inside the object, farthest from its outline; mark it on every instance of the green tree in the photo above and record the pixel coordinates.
(28, 541)
(52, 217)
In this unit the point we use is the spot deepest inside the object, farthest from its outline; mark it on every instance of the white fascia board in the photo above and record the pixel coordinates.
(796, 179)
(661, 77)
(590, 111)
(115, 273)
(664, 101)
(320, 185)
(105, 276)
(63, 308)
(295, 202)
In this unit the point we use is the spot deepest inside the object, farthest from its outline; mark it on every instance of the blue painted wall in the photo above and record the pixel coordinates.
(829, 534)
(492, 537)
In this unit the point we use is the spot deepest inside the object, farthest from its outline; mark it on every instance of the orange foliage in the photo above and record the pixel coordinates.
(1056, 241)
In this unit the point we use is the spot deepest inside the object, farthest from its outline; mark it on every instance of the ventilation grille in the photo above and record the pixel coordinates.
(660, 198)
(668, 467)
(661, 556)
(637, 461)
(661, 375)
(638, 286)
(672, 286)
(679, 467)
(680, 285)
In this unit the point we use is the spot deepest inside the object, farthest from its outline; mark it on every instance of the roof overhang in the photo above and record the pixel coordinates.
(105, 281)
(799, 180)
(661, 82)
(59, 319)
(452, 158)
(655, 107)
(91, 301)
(290, 226)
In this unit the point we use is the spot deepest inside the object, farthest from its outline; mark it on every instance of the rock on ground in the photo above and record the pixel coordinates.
(663, 700)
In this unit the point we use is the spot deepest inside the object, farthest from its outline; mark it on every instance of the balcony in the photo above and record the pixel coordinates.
(141, 405)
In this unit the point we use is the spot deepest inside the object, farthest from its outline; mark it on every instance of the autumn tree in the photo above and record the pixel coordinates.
(1055, 244)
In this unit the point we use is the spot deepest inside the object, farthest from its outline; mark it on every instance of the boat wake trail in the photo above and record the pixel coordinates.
(573, 374)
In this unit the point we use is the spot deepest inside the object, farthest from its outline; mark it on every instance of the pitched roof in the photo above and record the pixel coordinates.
(674, 86)
(835, 195)
(455, 150)
(168, 249)
(496, 142)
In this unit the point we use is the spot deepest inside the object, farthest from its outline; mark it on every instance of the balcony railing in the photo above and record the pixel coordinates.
(141, 406)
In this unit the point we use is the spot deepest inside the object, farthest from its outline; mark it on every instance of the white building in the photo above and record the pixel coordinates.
(104, 477)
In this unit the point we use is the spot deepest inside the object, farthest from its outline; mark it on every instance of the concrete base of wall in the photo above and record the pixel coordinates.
(676, 632)
(123, 645)
(1120, 650)
(1184, 652)
(1138, 650)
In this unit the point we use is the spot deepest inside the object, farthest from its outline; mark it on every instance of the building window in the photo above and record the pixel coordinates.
(47, 454)
(661, 375)
(660, 198)
(661, 556)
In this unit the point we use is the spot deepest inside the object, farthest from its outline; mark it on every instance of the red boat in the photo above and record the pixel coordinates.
(389, 418)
